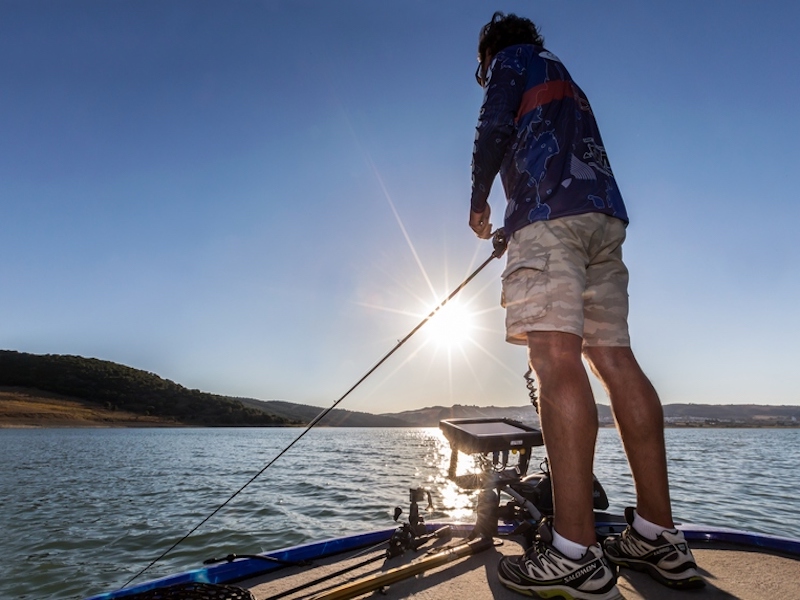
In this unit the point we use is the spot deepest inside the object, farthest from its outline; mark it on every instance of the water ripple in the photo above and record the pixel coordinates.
(84, 510)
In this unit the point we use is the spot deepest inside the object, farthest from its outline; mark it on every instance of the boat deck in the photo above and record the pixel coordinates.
(730, 572)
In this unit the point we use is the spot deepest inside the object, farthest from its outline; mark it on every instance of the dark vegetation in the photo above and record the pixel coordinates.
(119, 388)
(335, 418)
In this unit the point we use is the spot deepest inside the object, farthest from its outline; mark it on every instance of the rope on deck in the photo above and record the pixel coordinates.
(194, 591)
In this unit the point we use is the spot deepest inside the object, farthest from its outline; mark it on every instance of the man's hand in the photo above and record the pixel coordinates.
(479, 223)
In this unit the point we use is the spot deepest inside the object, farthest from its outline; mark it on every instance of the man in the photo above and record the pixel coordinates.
(565, 294)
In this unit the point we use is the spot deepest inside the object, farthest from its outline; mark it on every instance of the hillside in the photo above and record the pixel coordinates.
(56, 390)
(430, 417)
(675, 415)
(335, 418)
(28, 407)
(117, 388)
(731, 415)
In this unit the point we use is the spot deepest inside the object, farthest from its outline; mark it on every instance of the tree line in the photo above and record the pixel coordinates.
(117, 387)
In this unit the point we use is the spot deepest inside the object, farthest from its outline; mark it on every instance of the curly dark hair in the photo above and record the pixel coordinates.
(507, 30)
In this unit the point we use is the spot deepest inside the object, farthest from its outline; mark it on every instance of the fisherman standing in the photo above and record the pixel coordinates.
(565, 294)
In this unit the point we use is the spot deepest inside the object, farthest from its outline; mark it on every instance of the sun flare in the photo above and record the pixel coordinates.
(451, 326)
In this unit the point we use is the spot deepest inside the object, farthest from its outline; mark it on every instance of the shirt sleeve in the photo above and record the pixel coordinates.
(496, 123)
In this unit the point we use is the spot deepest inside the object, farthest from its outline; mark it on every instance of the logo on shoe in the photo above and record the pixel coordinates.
(662, 550)
(592, 566)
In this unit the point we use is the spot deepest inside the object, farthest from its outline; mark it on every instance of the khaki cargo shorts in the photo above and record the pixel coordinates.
(567, 275)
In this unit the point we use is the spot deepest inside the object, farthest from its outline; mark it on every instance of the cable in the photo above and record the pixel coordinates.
(499, 244)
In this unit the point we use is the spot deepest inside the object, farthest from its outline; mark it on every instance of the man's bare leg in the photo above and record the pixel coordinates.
(569, 424)
(640, 421)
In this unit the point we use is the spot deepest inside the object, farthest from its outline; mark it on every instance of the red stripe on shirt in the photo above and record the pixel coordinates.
(543, 94)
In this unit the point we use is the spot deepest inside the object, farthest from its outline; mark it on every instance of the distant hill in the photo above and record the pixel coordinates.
(29, 407)
(115, 387)
(430, 417)
(676, 415)
(335, 418)
(731, 411)
(139, 398)
(731, 415)
(124, 393)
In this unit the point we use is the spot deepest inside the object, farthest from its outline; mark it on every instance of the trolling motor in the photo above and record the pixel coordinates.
(494, 442)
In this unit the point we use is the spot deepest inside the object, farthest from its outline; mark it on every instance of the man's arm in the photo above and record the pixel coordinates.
(496, 128)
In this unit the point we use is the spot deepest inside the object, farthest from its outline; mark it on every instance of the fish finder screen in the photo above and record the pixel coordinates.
(491, 428)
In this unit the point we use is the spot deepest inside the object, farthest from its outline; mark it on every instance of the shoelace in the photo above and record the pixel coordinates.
(538, 551)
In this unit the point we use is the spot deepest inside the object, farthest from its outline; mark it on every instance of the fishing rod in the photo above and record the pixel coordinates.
(499, 243)
(414, 545)
(379, 580)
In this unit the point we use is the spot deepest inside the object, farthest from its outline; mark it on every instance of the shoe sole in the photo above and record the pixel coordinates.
(564, 593)
(691, 582)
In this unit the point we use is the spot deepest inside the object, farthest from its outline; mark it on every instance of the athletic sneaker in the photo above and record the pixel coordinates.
(667, 559)
(546, 573)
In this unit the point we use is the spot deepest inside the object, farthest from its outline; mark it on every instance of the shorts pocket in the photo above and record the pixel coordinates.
(526, 287)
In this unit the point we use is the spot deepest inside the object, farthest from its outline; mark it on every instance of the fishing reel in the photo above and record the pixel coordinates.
(499, 243)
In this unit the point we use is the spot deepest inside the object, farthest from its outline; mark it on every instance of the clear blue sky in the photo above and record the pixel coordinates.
(260, 198)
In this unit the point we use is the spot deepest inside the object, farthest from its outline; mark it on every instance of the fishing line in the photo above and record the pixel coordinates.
(499, 243)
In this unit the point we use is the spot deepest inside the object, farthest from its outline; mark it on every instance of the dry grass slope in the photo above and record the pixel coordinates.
(23, 407)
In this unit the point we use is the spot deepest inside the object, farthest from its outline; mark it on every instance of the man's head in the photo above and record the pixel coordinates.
(501, 32)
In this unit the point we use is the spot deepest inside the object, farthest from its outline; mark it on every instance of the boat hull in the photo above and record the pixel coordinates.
(254, 569)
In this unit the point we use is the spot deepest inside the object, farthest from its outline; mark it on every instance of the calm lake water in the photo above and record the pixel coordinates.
(83, 510)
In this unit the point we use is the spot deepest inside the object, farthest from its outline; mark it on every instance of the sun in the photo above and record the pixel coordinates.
(451, 326)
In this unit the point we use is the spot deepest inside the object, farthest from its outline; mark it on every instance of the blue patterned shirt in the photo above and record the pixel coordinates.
(537, 129)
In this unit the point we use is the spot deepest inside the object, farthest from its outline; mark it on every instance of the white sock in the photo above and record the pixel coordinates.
(645, 528)
(567, 547)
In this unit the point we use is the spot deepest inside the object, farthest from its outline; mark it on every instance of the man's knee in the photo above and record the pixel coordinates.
(553, 351)
(610, 361)
(618, 369)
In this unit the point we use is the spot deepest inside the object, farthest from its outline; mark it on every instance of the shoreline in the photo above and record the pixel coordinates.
(23, 408)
